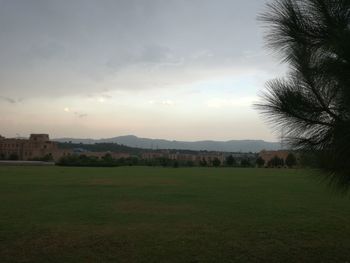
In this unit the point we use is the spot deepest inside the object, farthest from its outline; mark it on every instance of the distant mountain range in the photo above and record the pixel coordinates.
(145, 143)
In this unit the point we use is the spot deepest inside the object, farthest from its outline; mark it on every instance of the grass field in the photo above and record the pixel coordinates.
(143, 214)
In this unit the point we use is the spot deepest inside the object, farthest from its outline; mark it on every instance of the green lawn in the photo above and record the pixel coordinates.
(143, 214)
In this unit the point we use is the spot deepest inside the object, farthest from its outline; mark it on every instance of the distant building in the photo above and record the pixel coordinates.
(36, 147)
(153, 155)
(184, 157)
(99, 155)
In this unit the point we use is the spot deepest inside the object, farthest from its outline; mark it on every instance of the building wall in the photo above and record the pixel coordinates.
(37, 146)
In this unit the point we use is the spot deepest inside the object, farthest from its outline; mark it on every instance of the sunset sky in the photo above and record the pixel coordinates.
(174, 69)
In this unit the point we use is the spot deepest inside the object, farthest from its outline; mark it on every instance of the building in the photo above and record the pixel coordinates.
(38, 146)
(100, 155)
(184, 157)
(154, 155)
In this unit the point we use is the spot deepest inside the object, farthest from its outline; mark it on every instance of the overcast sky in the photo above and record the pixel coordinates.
(174, 69)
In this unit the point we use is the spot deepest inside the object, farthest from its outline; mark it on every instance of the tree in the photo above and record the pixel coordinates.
(291, 160)
(260, 162)
(275, 162)
(13, 157)
(312, 104)
(203, 162)
(230, 161)
(245, 163)
(107, 157)
(190, 163)
(216, 162)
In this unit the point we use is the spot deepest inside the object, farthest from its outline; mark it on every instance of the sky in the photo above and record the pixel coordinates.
(174, 69)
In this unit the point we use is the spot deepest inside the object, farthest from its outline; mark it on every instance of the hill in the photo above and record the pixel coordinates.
(146, 143)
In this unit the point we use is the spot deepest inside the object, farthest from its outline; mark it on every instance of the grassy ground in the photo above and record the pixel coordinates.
(141, 214)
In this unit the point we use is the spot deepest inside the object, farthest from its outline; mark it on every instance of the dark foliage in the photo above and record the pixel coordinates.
(13, 157)
(46, 158)
(312, 104)
(260, 162)
(216, 162)
(102, 147)
(246, 163)
(203, 162)
(291, 160)
(230, 161)
(276, 162)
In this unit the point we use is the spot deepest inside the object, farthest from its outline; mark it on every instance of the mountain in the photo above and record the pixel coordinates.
(145, 143)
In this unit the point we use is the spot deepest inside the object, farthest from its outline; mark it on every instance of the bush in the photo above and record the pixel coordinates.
(13, 157)
(216, 162)
(276, 162)
(291, 160)
(230, 161)
(203, 162)
(260, 162)
(246, 163)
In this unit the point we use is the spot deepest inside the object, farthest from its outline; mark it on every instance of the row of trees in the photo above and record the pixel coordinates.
(290, 161)
(11, 157)
(108, 161)
(15, 157)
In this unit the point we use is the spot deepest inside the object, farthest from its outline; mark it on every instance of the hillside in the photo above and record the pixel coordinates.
(146, 143)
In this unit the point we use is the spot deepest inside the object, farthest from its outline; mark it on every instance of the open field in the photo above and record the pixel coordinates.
(143, 214)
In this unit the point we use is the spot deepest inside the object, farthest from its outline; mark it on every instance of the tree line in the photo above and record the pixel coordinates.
(108, 161)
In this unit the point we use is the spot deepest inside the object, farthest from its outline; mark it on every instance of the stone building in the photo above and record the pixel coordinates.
(38, 146)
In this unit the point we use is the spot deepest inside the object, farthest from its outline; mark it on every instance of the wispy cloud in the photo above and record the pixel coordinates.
(76, 113)
(10, 100)
(236, 102)
(80, 115)
(163, 102)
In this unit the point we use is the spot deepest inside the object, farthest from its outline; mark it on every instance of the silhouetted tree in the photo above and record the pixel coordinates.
(13, 157)
(291, 160)
(312, 104)
(260, 162)
(216, 162)
(107, 157)
(275, 162)
(190, 163)
(203, 162)
(230, 161)
(245, 163)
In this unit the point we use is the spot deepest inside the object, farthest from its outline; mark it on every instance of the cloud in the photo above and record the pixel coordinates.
(47, 51)
(166, 102)
(235, 102)
(151, 55)
(59, 48)
(75, 113)
(10, 100)
(80, 115)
